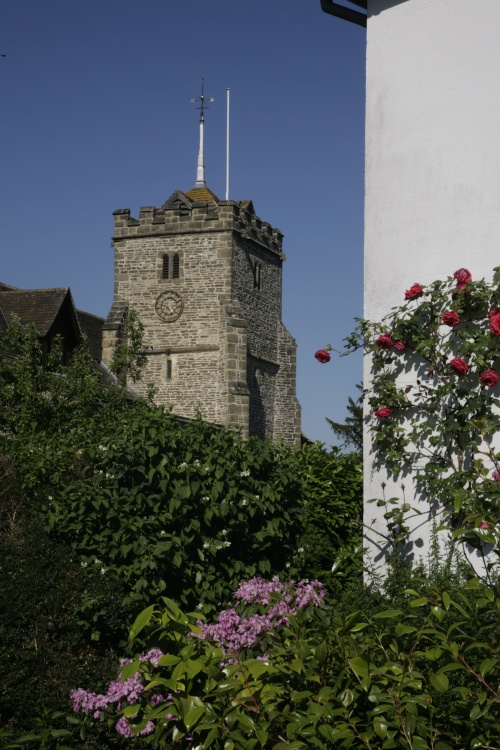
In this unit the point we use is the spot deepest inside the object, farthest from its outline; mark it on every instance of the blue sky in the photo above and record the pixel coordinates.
(96, 109)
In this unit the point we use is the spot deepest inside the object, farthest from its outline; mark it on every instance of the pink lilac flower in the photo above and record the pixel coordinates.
(123, 727)
(233, 633)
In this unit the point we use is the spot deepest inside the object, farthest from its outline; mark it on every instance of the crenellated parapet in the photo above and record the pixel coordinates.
(201, 211)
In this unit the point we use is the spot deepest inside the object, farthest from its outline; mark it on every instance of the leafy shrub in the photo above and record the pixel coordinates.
(44, 647)
(332, 503)
(422, 678)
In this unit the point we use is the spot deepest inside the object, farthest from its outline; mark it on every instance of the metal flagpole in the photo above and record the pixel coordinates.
(227, 145)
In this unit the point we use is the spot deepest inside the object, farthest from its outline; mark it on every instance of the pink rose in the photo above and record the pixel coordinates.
(489, 378)
(414, 291)
(459, 366)
(384, 341)
(383, 412)
(322, 356)
(450, 318)
(484, 525)
(463, 277)
(399, 345)
(494, 316)
(496, 475)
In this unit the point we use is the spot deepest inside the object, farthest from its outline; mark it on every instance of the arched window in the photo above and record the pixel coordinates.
(165, 267)
(175, 266)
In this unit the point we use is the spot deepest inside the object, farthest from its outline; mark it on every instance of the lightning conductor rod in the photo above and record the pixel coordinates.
(200, 172)
(227, 144)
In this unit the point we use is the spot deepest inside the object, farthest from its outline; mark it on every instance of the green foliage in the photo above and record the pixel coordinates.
(422, 676)
(351, 431)
(44, 650)
(107, 504)
(129, 357)
(331, 487)
(185, 509)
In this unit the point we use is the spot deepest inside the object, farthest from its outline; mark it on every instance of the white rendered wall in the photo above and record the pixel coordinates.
(432, 177)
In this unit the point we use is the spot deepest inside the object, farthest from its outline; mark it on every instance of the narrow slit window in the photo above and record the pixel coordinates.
(169, 369)
(257, 275)
(166, 263)
(175, 267)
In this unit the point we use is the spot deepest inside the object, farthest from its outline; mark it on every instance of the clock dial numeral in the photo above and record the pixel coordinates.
(169, 306)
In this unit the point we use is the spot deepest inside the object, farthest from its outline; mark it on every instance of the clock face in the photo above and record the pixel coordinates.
(168, 306)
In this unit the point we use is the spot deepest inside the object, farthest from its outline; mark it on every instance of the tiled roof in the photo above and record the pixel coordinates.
(91, 326)
(8, 287)
(202, 194)
(38, 306)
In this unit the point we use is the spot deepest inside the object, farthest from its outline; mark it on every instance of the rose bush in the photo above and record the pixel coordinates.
(489, 378)
(459, 366)
(494, 316)
(449, 328)
(463, 277)
(322, 356)
(414, 291)
(450, 318)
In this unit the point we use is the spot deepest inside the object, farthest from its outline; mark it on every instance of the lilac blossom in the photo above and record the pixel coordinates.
(123, 727)
(233, 633)
(130, 689)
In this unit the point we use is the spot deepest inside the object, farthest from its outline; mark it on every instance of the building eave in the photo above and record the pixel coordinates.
(345, 13)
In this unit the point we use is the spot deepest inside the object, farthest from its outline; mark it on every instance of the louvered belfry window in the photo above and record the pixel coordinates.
(166, 262)
(175, 267)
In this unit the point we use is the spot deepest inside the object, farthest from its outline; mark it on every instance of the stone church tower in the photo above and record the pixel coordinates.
(205, 276)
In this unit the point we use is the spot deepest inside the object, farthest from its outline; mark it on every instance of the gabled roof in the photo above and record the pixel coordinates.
(177, 200)
(38, 306)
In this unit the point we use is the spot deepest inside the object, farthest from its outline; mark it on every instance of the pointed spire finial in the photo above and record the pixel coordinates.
(200, 172)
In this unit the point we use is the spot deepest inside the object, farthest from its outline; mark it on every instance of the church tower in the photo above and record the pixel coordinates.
(205, 278)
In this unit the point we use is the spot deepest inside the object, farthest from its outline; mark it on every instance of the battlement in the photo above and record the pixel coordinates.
(181, 215)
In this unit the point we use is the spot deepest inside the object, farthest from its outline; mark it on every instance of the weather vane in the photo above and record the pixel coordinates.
(200, 172)
(202, 99)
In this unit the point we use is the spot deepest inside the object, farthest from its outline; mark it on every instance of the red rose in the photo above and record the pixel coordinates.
(494, 316)
(383, 412)
(459, 366)
(322, 356)
(414, 291)
(384, 341)
(489, 378)
(463, 277)
(399, 345)
(450, 318)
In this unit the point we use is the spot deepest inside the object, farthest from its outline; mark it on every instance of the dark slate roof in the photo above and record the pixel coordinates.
(38, 306)
(91, 326)
(8, 288)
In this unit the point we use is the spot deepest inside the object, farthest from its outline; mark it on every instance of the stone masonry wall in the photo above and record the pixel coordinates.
(192, 342)
(222, 356)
